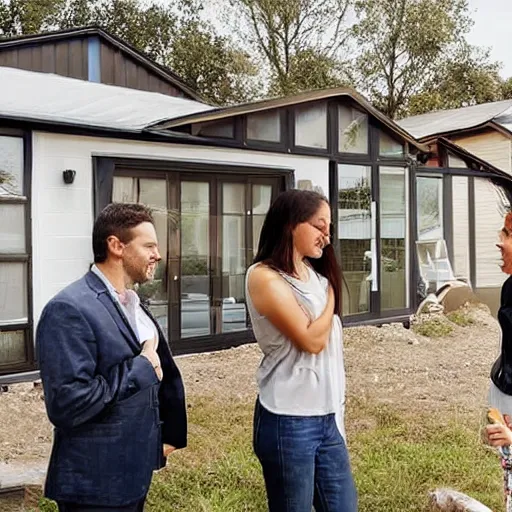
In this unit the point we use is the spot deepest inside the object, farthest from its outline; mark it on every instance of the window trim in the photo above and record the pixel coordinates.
(26, 257)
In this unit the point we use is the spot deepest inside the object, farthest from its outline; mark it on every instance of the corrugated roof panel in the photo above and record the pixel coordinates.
(51, 98)
(445, 121)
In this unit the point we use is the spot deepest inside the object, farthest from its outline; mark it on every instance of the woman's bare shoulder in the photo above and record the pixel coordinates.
(262, 275)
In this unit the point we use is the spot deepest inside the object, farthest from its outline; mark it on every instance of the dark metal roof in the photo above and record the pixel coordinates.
(164, 72)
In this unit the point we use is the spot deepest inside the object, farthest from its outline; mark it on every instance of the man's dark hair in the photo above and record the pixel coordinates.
(117, 219)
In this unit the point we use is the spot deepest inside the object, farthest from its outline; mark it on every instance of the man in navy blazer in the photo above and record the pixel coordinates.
(112, 389)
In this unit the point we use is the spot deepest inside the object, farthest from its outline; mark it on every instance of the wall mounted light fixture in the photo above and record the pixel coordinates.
(69, 176)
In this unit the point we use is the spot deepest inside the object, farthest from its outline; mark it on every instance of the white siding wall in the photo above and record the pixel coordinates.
(492, 146)
(489, 208)
(62, 215)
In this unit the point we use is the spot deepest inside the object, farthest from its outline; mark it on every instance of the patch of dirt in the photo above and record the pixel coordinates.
(388, 364)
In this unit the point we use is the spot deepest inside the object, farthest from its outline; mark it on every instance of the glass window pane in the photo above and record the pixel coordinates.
(13, 293)
(195, 259)
(11, 166)
(12, 228)
(390, 147)
(393, 232)
(12, 347)
(460, 208)
(261, 199)
(233, 198)
(353, 130)
(153, 193)
(233, 257)
(264, 126)
(430, 208)
(311, 126)
(224, 129)
(354, 233)
(124, 190)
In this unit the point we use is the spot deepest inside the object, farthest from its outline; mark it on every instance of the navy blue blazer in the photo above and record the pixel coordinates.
(110, 412)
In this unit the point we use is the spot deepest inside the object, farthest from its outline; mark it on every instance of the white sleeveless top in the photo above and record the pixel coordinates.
(293, 382)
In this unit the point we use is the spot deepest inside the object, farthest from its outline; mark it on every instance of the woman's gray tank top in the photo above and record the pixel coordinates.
(293, 382)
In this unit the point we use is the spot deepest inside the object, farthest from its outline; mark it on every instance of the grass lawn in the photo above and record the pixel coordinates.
(397, 458)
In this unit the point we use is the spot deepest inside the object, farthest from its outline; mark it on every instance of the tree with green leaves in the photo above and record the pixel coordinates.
(298, 41)
(173, 34)
(470, 79)
(506, 89)
(212, 65)
(19, 17)
(413, 55)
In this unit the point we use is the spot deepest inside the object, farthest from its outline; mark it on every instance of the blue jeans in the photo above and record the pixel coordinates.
(305, 463)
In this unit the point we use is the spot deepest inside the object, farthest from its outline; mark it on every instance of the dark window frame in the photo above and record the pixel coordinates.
(104, 170)
(26, 257)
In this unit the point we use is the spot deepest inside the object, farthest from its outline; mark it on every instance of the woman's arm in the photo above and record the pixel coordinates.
(274, 299)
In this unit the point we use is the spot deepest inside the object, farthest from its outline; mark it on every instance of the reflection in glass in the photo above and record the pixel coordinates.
(430, 208)
(224, 129)
(264, 126)
(434, 264)
(151, 192)
(13, 293)
(261, 199)
(12, 228)
(12, 347)
(353, 130)
(124, 190)
(354, 233)
(11, 166)
(393, 234)
(390, 147)
(311, 126)
(233, 257)
(195, 259)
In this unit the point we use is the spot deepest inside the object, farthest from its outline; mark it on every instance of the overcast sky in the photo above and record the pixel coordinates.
(493, 29)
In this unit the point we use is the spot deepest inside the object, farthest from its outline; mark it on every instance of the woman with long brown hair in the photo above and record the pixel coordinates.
(293, 297)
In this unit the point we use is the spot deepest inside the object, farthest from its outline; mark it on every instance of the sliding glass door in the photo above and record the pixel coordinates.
(208, 227)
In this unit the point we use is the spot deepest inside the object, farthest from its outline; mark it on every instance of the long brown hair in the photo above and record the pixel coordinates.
(275, 247)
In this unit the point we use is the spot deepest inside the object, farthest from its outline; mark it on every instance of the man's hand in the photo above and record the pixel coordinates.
(149, 352)
(168, 449)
